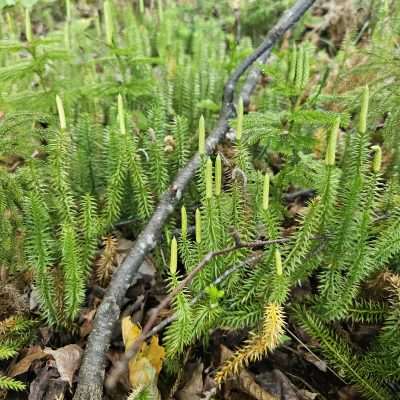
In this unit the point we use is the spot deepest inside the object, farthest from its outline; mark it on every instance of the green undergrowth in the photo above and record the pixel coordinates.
(99, 113)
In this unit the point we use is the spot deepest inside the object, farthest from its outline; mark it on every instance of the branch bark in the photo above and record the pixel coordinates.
(91, 376)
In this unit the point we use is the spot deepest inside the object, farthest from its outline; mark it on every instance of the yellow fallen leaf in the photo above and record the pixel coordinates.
(130, 332)
(142, 372)
(146, 365)
(155, 354)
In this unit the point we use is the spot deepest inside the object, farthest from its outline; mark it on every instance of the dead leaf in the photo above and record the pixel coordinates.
(193, 388)
(142, 372)
(146, 365)
(278, 383)
(22, 366)
(87, 325)
(155, 354)
(348, 392)
(250, 386)
(317, 362)
(68, 360)
(307, 395)
(11, 301)
(246, 381)
(40, 385)
(130, 332)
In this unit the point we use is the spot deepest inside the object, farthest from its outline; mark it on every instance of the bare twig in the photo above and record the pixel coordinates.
(91, 376)
(122, 365)
(295, 337)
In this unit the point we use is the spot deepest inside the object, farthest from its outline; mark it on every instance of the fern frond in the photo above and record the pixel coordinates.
(258, 345)
(338, 352)
(74, 278)
(367, 311)
(7, 383)
(247, 315)
(40, 253)
(114, 191)
(179, 333)
(90, 230)
(7, 351)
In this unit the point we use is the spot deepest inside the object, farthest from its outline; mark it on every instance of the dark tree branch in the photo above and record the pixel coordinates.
(91, 376)
(252, 79)
(288, 19)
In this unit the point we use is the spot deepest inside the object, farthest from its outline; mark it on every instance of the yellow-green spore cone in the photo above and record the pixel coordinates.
(202, 136)
(184, 223)
(173, 264)
(61, 113)
(208, 178)
(218, 175)
(198, 226)
(362, 125)
(332, 140)
(265, 201)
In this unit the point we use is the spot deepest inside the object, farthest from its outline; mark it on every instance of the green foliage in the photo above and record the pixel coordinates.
(337, 241)
(66, 184)
(339, 353)
(143, 393)
(15, 332)
(126, 120)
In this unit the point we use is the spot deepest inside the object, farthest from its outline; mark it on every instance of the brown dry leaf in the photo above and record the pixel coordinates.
(245, 381)
(277, 382)
(42, 384)
(87, 325)
(145, 367)
(124, 245)
(68, 360)
(193, 388)
(307, 395)
(348, 392)
(317, 362)
(11, 301)
(22, 366)
(250, 386)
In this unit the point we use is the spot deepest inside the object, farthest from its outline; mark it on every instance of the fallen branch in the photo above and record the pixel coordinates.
(253, 78)
(91, 376)
(122, 365)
